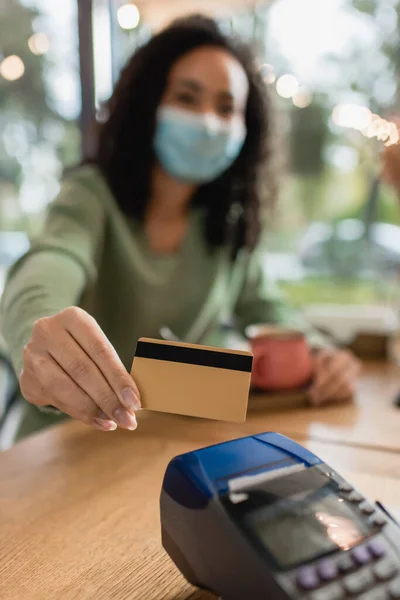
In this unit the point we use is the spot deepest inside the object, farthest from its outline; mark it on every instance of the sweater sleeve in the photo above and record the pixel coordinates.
(57, 268)
(261, 301)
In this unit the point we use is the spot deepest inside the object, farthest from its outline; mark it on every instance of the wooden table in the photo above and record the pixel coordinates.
(79, 509)
(371, 420)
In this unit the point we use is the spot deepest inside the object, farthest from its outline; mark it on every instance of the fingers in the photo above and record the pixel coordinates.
(329, 364)
(44, 382)
(335, 377)
(89, 336)
(88, 377)
(336, 388)
(88, 380)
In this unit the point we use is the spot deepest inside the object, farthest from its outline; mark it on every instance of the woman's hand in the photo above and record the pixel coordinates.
(335, 376)
(70, 364)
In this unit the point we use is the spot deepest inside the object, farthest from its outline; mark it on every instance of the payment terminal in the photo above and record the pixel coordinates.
(262, 518)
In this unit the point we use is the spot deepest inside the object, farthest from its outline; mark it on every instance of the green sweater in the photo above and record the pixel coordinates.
(91, 255)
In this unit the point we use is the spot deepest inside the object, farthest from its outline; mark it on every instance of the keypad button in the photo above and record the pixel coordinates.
(358, 582)
(385, 569)
(355, 497)
(367, 508)
(376, 594)
(345, 563)
(328, 570)
(333, 591)
(377, 549)
(361, 555)
(394, 589)
(378, 519)
(345, 487)
(307, 578)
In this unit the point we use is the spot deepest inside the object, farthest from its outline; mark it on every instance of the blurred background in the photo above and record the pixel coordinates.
(332, 67)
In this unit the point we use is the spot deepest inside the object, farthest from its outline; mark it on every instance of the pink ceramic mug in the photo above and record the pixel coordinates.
(282, 358)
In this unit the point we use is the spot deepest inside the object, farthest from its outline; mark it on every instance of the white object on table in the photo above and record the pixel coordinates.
(344, 322)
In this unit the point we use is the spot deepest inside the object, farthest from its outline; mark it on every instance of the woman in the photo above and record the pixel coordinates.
(160, 229)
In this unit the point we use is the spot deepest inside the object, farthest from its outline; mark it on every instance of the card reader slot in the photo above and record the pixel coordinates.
(240, 484)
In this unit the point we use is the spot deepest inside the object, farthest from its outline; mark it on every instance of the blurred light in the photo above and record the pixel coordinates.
(128, 16)
(302, 98)
(350, 230)
(344, 158)
(378, 128)
(16, 139)
(102, 114)
(353, 116)
(12, 68)
(386, 18)
(66, 93)
(287, 86)
(53, 131)
(268, 74)
(394, 135)
(384, 89)
(382, 130)
(370, 130)
(39, 43)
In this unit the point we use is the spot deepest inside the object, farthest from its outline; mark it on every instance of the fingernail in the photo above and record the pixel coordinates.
(105, 425)
(130, 399)
(125, 419)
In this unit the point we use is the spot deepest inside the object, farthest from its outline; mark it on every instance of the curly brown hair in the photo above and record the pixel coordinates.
(125, 154)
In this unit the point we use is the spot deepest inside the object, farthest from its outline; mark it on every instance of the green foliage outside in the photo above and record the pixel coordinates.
(328, 290)
(26, 114)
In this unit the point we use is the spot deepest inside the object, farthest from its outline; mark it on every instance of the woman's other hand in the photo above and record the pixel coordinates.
(70, 364)
(335, 376)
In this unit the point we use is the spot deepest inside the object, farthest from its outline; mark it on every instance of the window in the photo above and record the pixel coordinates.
(39, 107)
(332, 68)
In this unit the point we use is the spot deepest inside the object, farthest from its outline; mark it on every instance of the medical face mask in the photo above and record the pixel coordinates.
(196, 148)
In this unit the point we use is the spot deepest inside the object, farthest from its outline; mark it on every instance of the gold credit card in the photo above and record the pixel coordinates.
(193, 380)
